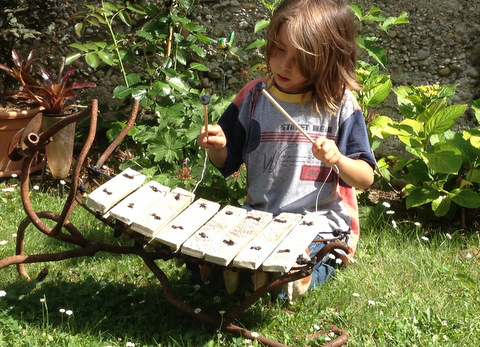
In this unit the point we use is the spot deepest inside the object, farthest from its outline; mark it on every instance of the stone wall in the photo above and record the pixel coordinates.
(440, 45)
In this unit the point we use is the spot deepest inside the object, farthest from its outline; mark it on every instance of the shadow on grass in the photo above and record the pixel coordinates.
(124, 309)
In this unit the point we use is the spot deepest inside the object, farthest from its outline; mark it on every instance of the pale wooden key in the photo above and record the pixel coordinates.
(186, 223)
(258, 249)
(227, 247)
(215, 228)
(139, 201)
(162, 212)
(111, 192)
(284, 257)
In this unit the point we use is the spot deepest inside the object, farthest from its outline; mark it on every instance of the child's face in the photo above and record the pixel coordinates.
(283, 64)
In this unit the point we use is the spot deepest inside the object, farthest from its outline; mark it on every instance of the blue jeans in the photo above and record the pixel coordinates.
(323, 269)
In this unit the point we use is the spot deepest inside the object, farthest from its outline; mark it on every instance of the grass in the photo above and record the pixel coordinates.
(411, 285)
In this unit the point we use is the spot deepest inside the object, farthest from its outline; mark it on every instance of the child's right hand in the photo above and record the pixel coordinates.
(215, 139)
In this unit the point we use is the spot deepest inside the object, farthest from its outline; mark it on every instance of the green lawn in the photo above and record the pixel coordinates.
(410, 285)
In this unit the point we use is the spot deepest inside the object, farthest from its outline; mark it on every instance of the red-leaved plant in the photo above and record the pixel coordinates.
(50, 95)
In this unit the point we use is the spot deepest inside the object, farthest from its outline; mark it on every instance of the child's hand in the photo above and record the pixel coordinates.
(215, 139)
(327, 151)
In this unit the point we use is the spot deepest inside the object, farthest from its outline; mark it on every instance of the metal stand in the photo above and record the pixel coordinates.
(34, 142)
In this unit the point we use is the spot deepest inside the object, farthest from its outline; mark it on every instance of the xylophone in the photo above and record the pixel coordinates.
(231, 236)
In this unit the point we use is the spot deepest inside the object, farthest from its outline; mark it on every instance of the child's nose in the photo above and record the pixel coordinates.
(287, 63)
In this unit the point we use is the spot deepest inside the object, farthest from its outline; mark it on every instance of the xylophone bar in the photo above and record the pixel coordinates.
(111, 192)
(256, 252)
(223, 250)
(137, 202)
(185, 224)
(197, 245)
(162, 212)
(294, 244)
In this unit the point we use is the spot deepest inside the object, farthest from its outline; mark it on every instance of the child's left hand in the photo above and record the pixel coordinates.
(327, 151)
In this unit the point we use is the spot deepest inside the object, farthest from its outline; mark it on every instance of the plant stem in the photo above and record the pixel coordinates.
(115, 42)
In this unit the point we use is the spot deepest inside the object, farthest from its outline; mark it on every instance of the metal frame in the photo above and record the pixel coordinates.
(34, 142)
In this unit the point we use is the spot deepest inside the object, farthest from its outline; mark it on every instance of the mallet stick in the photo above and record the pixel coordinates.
(205, 100)
(285, 113)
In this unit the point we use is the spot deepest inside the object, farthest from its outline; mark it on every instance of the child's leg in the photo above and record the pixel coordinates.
(324, 268)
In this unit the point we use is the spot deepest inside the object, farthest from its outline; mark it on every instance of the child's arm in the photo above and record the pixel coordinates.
(216, 143)
(355, 172)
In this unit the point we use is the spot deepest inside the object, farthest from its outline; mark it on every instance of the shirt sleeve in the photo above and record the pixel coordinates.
(353, 139)
(236, 135)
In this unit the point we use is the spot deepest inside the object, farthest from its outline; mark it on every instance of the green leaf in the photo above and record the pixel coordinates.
(357, 10)
(473, 136)
(79, 29)
(374, 14)
(136, 8)
(169, 148)
(160, 88)
(101, 44)
(110, 6)
(444, 158)
(181, 56)
(432, 110)
(80, 47)
(122, 92)
(476, 109)
(133, 78)
(198, 66)
(178, 84)
(92, 59)
(441, 205)
(473, 175)
(444, 119)
(145, 34)
(261, 24)
(95, 19)
(71, 57)
(380, 126)
(391, 21)
(375, 94)
(256, 44)
(421, 196)
(466, 197)
(447, 91)
(203, 39)
(418, 170)
(139, 93)
(199, 50)
(375, 52)
(125, 18)
(107, 57)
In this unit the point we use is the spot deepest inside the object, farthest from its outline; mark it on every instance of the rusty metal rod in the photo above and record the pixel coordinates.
(70, 203)
(121, 136)
(189, 310)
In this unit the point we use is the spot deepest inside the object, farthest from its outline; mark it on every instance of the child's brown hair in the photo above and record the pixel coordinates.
(324, 35)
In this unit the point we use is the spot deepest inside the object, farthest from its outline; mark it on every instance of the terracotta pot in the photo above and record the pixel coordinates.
(10, 123)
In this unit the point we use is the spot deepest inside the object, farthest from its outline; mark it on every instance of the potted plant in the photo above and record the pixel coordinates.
(51, 97)
(15, 114)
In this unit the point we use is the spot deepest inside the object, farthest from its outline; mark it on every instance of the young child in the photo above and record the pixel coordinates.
(311, 57)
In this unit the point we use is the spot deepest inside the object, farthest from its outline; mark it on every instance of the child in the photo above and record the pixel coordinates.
(311, 57)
